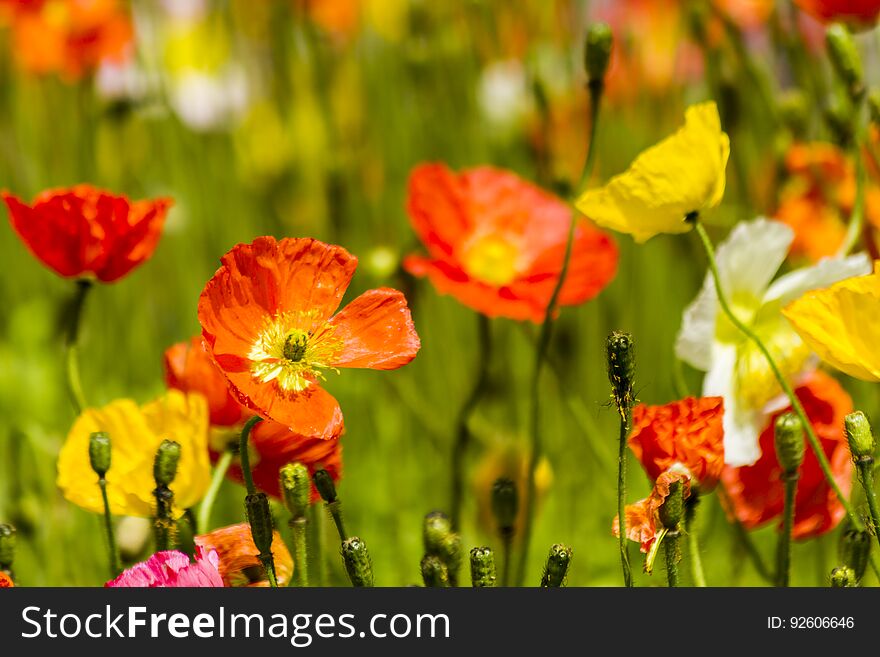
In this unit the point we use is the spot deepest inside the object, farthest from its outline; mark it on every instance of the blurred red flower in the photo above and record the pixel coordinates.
(496, 243)
(642, 522)
(851, 11)
(756, 491)
(237, 556)
(188, 367)
(687, 432)
(6, 581)
(84, 231)
(267, 320)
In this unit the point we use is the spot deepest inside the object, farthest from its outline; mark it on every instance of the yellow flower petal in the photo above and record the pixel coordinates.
(841, 324)
(682, 174)
(135, 435)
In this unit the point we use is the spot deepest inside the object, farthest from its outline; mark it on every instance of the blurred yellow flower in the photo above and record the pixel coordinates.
(135, 435)
(681, 175)
(841, 323)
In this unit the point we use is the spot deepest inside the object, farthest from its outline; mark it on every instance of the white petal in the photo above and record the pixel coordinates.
(751, 255)
(826, 272)
(693, 344)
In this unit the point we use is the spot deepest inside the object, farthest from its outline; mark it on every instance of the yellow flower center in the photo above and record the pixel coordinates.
(291, 355)
(491, 259)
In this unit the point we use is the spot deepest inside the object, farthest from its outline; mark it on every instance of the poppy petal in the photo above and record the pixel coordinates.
(437, 208)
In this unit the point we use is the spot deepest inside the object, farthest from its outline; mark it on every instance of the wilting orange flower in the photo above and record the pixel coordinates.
(239, 564)
(189, 368)
(84, 231)
(496, 243)
(756, 491)
(6, 581)
(687, 432)
(267, 320)
(642, 522)
(851, 11)
(68, 37)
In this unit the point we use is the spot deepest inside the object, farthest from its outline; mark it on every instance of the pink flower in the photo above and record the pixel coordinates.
(172, 569)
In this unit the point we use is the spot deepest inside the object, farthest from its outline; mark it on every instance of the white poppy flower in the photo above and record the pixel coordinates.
(735, 369)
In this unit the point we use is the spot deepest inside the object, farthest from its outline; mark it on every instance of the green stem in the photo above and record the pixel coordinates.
(112, 550)
(595, 89)
(463, 433)
(672, 549)
(244, 457)
(336, 513)
(786, 388)
(300, 552)
(783, 549)
(865, 468)
(625, 423)
(74, 383)
(506, 550)
(690, 527)
(207, 505)
(857, 216)
(746, 542)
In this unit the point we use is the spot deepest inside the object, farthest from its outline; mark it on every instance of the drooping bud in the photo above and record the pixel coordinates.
(165, 463)
(7, 546)
(324, 484)
(854, 550)
(621, 362)
(260, 518)
(99, 452)
(434, 572)
(435, 530)
(789, 439)
(297, 488)
(556, 568)
(843, 577)
(505, 503)
(672, 510)
(482, 567)
(859, 435)
(597, 52)
(357, 562)
(845, 58)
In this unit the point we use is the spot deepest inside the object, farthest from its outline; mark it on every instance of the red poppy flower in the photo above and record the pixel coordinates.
(850, 11)
(687, 432)
(267, 320)
(642, 521)
(84, 231)
(756, 491)
(6, 581)
(496, 243)
(188, 367)
(237, 556)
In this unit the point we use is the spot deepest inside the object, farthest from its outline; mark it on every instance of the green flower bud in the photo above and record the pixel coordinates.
(556, 568)
(357, 562)
(859, 435)
(7, 546)
(845, 58)
(597, 53)
(435, 530)
(672, 510)
(99, 452)
(789, 437)
(260, 518)
(843, 577)
(794, 111)
(854, 550)
(434, 572)
(452, 554)
(482, 567)
(324, 484)
(165, 463)
(621, 362)
(297, 488)
(505, 503)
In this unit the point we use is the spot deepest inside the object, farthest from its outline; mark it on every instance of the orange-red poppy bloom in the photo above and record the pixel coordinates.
(862, 12)
(67, 37)
(496, 243)
(238, 561)
(268, 323)
(84, 231)
(6, 581)
(687, 432)
(188, 367)
(756, 491)
(642, 521)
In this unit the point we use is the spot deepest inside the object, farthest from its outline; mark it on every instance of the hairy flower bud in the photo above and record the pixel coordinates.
(99, 452)
(621, 362)
(297, 488)
(854, 550)
(505, 503)
(789, 440)
(672, 510)
(556, 568)
(843, 577)
(260, 518)
(357, 562)
(165, 463)
(435, 530)
(597, 52)
(434, 572)
(482, 567)
(859, 435)
(324, 484)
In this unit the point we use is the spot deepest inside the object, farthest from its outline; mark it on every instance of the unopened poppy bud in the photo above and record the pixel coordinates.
(854, 550)
(789, 437)
(99, 452)
(297, 488)
(324, 484)
(434, 572)
(165, 463)
(357, 562)
(505, 503)
(435, 530)
(260, 518)
(845, 58)
(556, 567)
(859, 435)
(597, 53)
(7, 546)
(843, 577)
(452, 554)
(672, 510)
(482, 567)
(621, 362)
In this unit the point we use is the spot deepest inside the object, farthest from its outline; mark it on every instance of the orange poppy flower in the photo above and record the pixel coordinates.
(496, 243)
(84, 231)
(68, 37)
(756, 491)
(267, 320)
(687, 432)
(238, 561)
(189, 368)
(6, 581)
(862, 12)
(642, 521)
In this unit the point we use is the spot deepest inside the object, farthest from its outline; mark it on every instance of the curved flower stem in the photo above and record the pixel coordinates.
(857, 216)
(672, 549)
(595, 88)
(298, 529)
(866, 477)
(696, 560)
(112, 550)
(243, 455)
(463, 433)
(786, 388)
(74, 384)
(207, 505)
(625, 425)
(746, 541)
(783, 548)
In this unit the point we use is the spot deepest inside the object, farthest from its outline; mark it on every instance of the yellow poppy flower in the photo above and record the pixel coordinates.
(135, 435)
(841, 324)
(681, 175)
